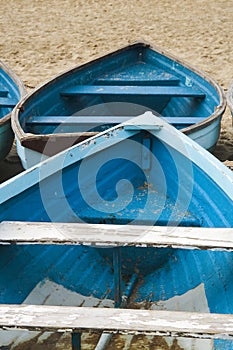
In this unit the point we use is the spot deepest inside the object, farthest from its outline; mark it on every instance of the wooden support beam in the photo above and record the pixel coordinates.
(76, 341)
(117, 276)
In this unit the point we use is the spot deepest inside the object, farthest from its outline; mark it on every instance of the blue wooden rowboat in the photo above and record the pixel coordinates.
(142, 172)
(111, 89)
(230, 98)
(11, 90)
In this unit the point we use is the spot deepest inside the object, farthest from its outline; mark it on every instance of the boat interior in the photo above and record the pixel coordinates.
(116, 87)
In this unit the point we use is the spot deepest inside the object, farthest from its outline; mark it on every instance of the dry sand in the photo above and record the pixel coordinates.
(41, 38)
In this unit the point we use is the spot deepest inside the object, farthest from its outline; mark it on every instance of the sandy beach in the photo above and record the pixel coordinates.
(42, 38)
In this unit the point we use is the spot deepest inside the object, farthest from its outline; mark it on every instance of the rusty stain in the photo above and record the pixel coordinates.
(58, 341)
(89, 340)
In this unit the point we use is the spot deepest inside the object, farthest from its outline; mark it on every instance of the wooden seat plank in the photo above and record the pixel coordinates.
(116, 235)
(95, 120)
(111, 320)
(76, 120)
(7, 102)
(168, 91)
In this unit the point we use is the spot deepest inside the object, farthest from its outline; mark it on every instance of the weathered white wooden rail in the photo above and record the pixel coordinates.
(148, 322)
(116, 235)
(121, 321)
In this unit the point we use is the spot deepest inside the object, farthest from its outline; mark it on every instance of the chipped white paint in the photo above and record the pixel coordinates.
(194, 300)
(116, 235)
(151, 322)
(49, 293)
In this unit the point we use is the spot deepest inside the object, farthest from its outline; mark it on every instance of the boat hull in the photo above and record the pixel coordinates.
(123, 84)
(143, 172)
(11, 90)
(7, 138)
(205, 137)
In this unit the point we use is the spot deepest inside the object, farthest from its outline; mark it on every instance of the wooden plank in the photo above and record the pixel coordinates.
(95, 120)
(7, 102)
(116, 235)
(148, 322)
(169, 91)
(183, 120)
(76, 120)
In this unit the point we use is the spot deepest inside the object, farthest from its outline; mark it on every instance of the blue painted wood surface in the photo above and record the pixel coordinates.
(97, 120)
(172, 91)
(11, 90)
(106, 179)
(125, 83)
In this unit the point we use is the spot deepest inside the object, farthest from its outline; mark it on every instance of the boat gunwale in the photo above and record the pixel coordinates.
(217, 114)
(19, 84)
